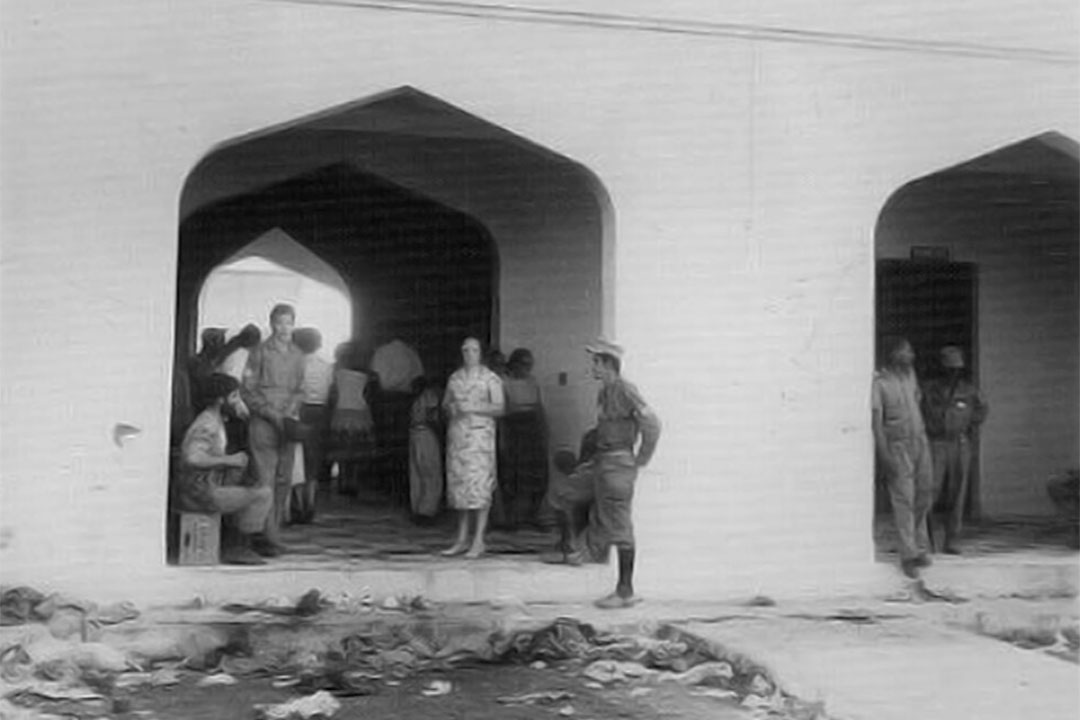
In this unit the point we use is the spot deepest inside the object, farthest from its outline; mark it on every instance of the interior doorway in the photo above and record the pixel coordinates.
(272, 269)
(932, 304)
(986, 255)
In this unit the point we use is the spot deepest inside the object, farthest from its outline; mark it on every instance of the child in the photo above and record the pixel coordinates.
(425, 452)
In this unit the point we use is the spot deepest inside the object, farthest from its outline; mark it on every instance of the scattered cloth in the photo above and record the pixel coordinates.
(321, 704)
(609, 671)
(437, 688)
(217, 680)
(717, 673)
(563, 639)
(311, 603)
(536, 698)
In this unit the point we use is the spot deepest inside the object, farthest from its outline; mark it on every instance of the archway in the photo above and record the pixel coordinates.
(441, 225)
(985, 255)
(275, 268)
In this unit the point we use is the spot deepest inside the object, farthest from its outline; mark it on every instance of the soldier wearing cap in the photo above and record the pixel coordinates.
(606, 479)
(953, 409)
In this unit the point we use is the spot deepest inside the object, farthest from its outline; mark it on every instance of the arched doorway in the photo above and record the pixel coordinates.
(275, 268)
(984, 255)
(440, 224)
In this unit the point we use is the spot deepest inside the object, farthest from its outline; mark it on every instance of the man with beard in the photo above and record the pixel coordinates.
(953, 410)
(212, 481)
(904, 451)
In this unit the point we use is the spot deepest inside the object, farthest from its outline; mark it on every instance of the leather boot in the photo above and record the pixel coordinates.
(239, 552)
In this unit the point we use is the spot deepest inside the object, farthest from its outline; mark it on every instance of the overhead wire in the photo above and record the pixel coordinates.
(699, 28)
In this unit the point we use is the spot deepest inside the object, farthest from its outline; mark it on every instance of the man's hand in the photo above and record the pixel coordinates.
(239, 460)
(276, 419)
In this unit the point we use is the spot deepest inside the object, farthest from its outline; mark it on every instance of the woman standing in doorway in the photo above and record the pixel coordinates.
(523, 476)
(473, 400)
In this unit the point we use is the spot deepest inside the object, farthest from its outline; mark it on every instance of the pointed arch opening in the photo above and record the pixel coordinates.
(440, 225)
(985, 256)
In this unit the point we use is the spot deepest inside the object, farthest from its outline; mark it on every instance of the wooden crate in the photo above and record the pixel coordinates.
(200, 539)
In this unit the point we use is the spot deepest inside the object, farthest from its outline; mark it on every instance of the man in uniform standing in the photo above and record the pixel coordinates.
(953, 409)
(904, 451)
(607, 478)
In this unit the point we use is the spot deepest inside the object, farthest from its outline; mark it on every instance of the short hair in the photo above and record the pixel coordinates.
(218, 385)
(485, 352)
(890, 344)
(249, 336)
(282, 309)
(213, 339)
(309, 340)
(611, 361)
(519, 357)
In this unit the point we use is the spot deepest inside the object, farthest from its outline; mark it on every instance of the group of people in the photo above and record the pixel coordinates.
(923, 435)
(254, 452)
(273, 414)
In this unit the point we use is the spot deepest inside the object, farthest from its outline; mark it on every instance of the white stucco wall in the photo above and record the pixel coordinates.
(745, 181)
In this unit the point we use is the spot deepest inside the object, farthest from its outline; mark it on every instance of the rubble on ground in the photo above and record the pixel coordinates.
(319, 705)
(52, 665)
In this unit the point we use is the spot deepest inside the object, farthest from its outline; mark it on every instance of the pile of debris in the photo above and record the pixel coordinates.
(668, 655)
(51, 654)
(75, 659)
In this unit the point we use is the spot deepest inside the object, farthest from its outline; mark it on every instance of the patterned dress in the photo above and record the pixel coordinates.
(470, 442)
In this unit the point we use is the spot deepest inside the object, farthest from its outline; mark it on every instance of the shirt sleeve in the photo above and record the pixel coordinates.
(495, 391)
(648, 424)
(249, 388)
(448, 395)
(200, 437)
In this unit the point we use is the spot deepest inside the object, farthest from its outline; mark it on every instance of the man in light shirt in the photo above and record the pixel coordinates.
(271, 391)
(904, 451)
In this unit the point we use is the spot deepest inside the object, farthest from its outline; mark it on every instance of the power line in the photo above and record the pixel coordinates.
(639, 23)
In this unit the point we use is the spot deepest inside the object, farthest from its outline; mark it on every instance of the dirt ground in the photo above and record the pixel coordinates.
(474, 696)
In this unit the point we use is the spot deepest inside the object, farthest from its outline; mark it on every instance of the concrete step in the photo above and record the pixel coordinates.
(438, 579)
(1040, 574)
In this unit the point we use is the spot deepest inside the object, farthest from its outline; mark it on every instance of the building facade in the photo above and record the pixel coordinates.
(706, 187)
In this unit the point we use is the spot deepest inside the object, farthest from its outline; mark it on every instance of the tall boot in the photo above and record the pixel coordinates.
(565, 552)
(625, 586)
(623, 597)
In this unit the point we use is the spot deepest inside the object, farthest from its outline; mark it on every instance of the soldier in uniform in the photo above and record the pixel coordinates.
(606, 479)
(953, 410)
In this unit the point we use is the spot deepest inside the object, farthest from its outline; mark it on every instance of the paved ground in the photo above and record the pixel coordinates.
(903, 666)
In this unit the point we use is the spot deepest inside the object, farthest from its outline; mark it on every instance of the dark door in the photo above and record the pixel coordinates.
(932, 304)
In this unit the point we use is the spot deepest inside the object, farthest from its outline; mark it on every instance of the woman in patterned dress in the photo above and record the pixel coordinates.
(473, 400)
